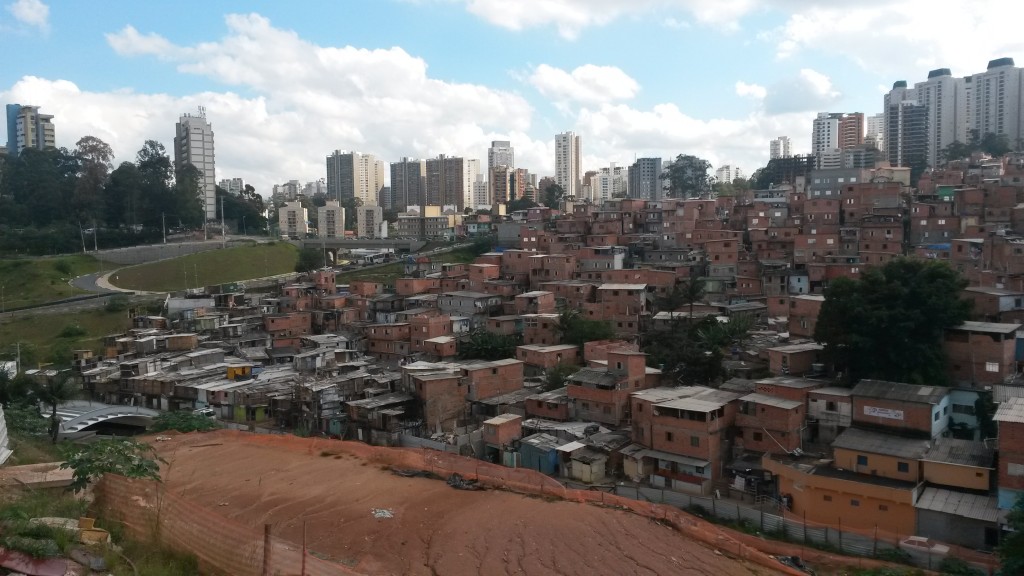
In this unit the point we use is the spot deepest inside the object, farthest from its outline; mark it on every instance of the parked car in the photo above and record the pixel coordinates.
(924, 545)
(208, 412)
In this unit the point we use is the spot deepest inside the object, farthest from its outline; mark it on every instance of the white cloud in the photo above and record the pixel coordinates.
(307, 100)
(755, 91)
(31, 13)
(571, 17)
(904, 38)
(585, 84)
(809, 90)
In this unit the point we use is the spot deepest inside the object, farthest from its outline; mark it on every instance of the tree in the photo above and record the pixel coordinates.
(127, 458)
(187, 200)
(688, 176)
(890, 323)
(577, 330)
(309, 259)
(484, 345)
(121, 196)
(553, 196)
(1011, 549)
(95, 163)
(53, 392)
(687, 292)
(688, 352)
(521, 204)
(556, 376)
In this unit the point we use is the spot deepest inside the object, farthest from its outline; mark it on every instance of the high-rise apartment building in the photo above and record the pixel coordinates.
(408, 181)
(193, 144)
(330, 220)
(728, 173)
(370, 222)
(995, 101)
(354, 175)
(851, 130)
(906, 133)
(501, 153)
(500, 181)
(875, 131)
(567, 162)
(27, 128)
(609, 182)
(449, 181)
(232, 185)
(644, 179)
(779, 148)
(834, 132)
(945, 100)
(292, 219)
(481, 192)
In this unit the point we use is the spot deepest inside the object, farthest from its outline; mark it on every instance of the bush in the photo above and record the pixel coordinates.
(25, 420)
(63, 266)
(957, 567)
(34, 547)
(118, 303)
(183, 421)
(71, 331)
(894, 555)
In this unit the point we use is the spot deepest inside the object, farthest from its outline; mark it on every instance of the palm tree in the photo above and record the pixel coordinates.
(55, 391)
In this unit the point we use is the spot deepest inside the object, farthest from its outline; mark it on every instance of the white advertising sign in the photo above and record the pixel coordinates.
(883, 413)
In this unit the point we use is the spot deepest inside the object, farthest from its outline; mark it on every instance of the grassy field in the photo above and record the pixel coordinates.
(209, 268)
(388, 274)
(45, 337)
(31, 281)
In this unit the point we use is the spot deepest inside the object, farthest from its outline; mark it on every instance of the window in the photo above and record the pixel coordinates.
(862, 460)
(991, 367)
(854, 502)
(935, 417)
(695, 441)
(668, 436)
(965, 409)
(903, 467)
(699, 470)
(639, 407)
(830, 406)
(758, 436)
(827, 498)
(883, 508)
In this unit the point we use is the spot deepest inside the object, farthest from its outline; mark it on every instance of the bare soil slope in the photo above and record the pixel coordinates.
(434, 529)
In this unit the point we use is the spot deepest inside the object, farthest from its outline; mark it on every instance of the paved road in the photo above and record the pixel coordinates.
(89, 283)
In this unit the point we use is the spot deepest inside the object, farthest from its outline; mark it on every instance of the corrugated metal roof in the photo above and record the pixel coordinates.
(900, 392)
(879, 443)
(989, 327)
(974, 506)
(961, 452)
(650, 453)
(772, 401)
(1001, 393)
(1011, 411)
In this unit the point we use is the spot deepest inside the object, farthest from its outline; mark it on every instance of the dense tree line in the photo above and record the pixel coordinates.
(50, 200)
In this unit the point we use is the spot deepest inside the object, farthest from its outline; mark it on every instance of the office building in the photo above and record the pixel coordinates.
(779, 148)
(567, 162)
(449, 181)
(193, 144)
(644, 179)
(354, 175)
(906, 134)
(408, 180)
(370, 222)
(330, 220)
(27, 128)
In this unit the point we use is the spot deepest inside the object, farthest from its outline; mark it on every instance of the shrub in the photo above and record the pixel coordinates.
(957, 567)
(71, 331)
(183, 421)
(63, 266)
(118, 303)
(894, 555)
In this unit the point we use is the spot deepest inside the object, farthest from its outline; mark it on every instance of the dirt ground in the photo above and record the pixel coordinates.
(434, 529)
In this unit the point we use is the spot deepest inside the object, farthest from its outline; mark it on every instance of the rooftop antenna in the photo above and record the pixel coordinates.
(202, 111)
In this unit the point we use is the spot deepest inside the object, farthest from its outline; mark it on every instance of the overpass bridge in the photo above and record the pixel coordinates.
(335, 246)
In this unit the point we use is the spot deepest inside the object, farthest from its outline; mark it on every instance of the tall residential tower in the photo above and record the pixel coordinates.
(193, 144)
(27, 128)
(567, 163)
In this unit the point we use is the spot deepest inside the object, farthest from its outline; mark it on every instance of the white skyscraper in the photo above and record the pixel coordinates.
(728, 173)
(876, 130)
(610, 182)
(995, 99)
(945, 99)
(779, 148)
(825, 134)
(193, 144)
(567, 162)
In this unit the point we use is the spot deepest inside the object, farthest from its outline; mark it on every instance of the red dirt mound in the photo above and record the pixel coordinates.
(345, 502)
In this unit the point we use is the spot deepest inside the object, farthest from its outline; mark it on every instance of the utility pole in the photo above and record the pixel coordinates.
(163, 222)
(223, 230)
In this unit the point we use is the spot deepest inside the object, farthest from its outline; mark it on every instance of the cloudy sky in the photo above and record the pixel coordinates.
(284, 84)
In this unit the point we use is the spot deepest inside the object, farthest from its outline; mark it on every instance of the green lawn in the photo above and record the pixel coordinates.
(209, 268)
(388, 274)
(29, 281)
(45, 337)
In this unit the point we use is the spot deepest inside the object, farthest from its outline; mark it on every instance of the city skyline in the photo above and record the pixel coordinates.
(308, 87)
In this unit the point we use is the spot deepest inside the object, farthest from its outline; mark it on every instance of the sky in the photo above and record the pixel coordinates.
(286, 83)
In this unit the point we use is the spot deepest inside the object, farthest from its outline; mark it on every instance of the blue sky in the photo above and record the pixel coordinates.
(284, 84)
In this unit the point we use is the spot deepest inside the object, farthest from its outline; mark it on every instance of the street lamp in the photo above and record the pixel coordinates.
(243, 225)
